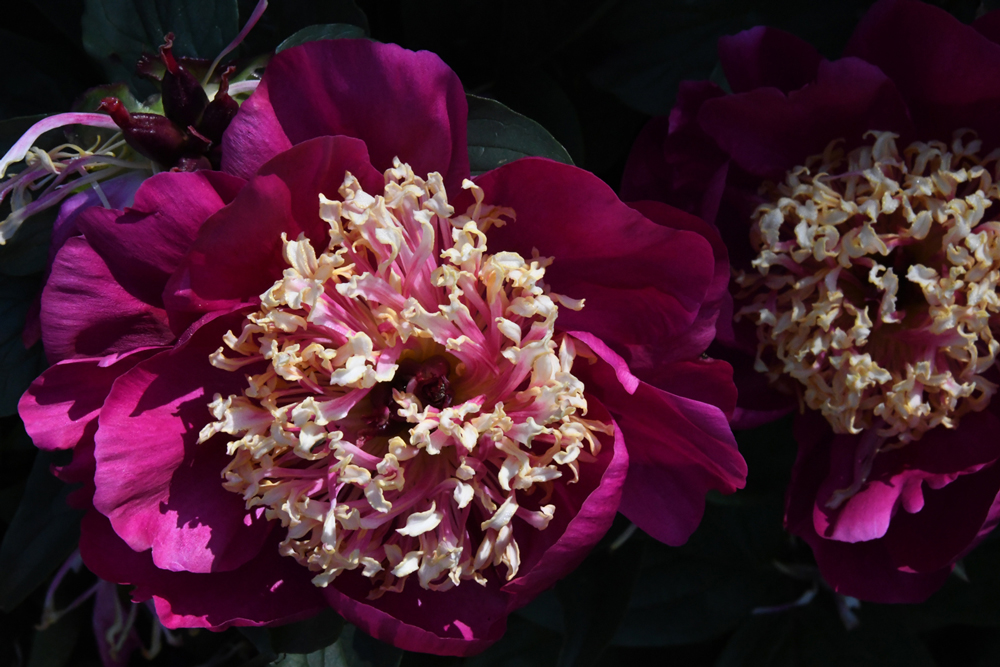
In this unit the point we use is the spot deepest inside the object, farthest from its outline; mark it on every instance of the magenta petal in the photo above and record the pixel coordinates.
(238, 252)
(119, 191)
(678, 450)
(160, 488)
(587, 511)
(765, 57)
(400, 103)
(950, 81)
(267, 589)
(768, 132)
(954, 515)
(643, 282)
(717, 301)
(86, 313)
(64, 401)
(461, 621)
(145, 244)
(863, 569)
(254, 136)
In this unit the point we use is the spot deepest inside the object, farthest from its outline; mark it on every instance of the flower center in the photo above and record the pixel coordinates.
(876, 284)
(416, 404)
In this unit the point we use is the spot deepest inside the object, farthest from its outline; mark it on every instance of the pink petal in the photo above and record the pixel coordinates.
(643, 283)
(160, 488)
(145, 244)
(86, 313)
(119, 191)
(64, 401)
(267, 589)
(400, 103)
(238, 251)
(764, 57)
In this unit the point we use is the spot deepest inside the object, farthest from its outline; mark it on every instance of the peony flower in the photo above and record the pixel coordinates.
(859, 202)
(339, 373)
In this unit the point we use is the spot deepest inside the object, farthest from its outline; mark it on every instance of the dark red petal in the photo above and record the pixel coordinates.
(87, 313)
(400, 103)
(643, 282)
(765, 57)
(948, 72)
(678, 448)
(145, 244)
(865, 569)
(160, 488)
(768, 132)
(238, 251)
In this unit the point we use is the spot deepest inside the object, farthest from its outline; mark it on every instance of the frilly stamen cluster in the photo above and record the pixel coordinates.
(876, 284)
(416, 404)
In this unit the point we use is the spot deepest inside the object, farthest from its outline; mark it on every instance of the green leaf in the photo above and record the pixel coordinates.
(594, 599)
(308, 636)
(497, 135)
(525, 644)
(315, 33)
(27, 252)
(18, 365)
(353, 649)
(53, 646)
(814, 635)
(117, 32)
(43, 534)
(972, 602)
(706, 587)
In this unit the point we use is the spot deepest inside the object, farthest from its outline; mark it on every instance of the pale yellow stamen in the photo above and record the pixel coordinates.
(442, 496)
(876, 284)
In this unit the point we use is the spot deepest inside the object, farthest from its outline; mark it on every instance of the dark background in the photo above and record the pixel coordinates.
(592, 72)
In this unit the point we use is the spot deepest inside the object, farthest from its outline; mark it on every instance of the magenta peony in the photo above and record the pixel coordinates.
(340, 373)
(859, 202)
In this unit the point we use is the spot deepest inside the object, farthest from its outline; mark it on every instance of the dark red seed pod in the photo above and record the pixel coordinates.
(184, 99)
(219, 112)
(152, 135)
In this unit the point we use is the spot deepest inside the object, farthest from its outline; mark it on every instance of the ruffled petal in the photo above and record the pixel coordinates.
(643, 282)
(678, 449)
(400, 103)
(62, 404)
(145, 244)
(238, 252)
(160, 489)
(897, 482)
(768, 132)
(948, 72)
(267, 589)
(765, 57)
(85, 312)
(865, 569)
(716, 303)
